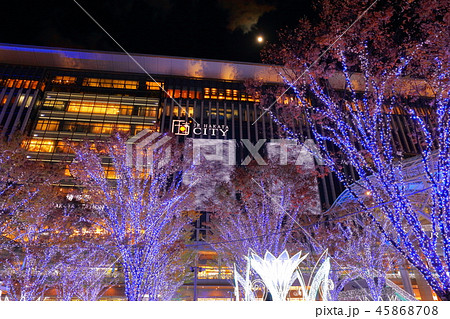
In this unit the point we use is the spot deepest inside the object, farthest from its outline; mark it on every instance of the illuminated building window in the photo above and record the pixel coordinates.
(44, 125)
(235, 95)
(148, 111)
(5, 98)
(258, 95)
(221, 95)
(64, 79)
(41, 145)
(109, 128)
(99, 108)
(206, 93)
(139, 128)
(154, 86)
(181, 111)
(76, 127)
(111, 83)
(228, 95)
(169, 93)
(67, 171)
(213, 93)
(177, 93)
(57, 105)
(25, 84)
(110, 172)
(214, 272)
(63, 147)
(94, 128)
(22, 99)
(199, 94)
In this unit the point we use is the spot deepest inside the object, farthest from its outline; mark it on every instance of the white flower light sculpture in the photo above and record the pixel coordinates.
(277, 273)
(318, 282)
(245, 283)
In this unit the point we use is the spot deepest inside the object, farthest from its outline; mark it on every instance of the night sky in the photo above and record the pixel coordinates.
(215, 29)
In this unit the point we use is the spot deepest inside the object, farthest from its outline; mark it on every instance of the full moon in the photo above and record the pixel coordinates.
(260, 39)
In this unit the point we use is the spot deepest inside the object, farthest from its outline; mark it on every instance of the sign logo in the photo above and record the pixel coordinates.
(182, 127)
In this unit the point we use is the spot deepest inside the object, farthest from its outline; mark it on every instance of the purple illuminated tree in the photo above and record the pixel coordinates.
(28, 269)
(357, 126)
(143, 212)
(29, 249)
(358, 251)
(85, 272)
(21, 180)
(263, 204)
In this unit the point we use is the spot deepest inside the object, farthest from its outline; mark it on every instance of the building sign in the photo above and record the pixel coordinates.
(182, 127)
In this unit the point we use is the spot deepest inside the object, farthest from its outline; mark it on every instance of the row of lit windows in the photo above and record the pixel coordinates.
(154, 86)
(52, 104)
(180, 111)
(93, 128)
(64, 80)
(214, 113)
(100, 108)
(212, 272)
(50, 146)
(108, 83)
(111, 83)
(43, 145)
(185, 94)
(46, 125)
(228, 94)
(212, 93)
(19, 102)
(109, 174)
(22, 84)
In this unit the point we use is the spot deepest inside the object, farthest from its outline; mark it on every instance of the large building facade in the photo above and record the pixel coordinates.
(55, 94)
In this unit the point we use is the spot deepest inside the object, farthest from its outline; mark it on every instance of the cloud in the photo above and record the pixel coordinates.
(244, 15)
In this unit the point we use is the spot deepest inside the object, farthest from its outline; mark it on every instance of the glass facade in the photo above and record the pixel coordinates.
(86, 116)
